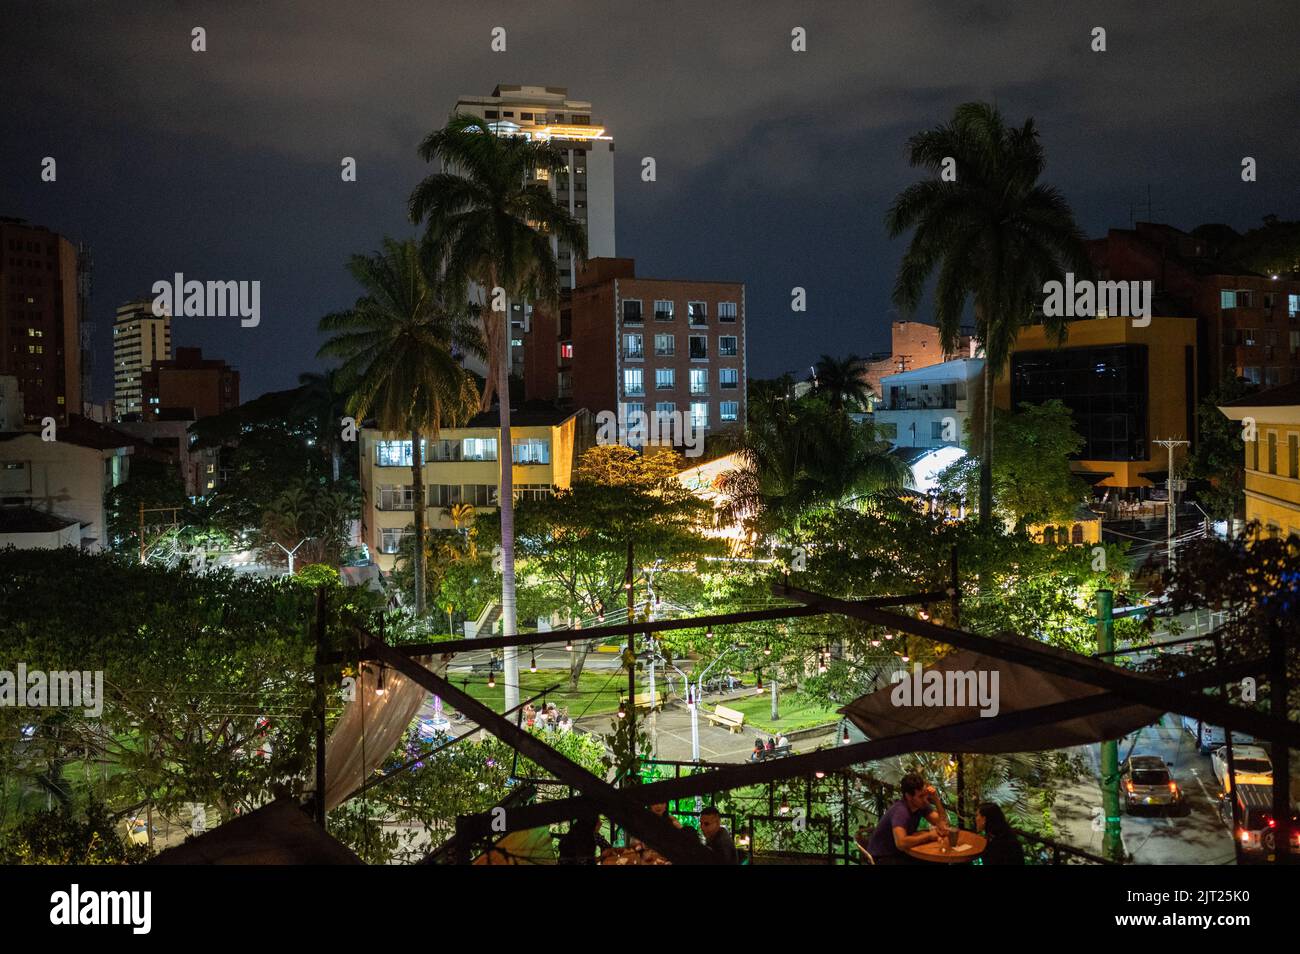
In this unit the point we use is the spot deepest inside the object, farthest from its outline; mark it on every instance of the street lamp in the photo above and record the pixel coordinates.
(289, 553)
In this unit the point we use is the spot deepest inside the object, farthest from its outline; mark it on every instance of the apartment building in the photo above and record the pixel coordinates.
(913, 345)
(1272, 458)
(189, 383)
(462, 466)
(40, 319)
(625, 344)
(141, 339)
(936, 406)
(585, 184)
(1248, 325)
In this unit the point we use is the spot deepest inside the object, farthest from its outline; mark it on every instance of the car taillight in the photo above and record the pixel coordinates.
(1243, 836)
(1173, 787)
(1270, 822)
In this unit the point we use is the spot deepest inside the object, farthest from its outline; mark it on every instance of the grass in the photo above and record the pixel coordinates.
(796, 712)
(598, 692)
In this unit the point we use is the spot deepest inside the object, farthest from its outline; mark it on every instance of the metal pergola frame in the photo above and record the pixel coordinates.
(627, 806)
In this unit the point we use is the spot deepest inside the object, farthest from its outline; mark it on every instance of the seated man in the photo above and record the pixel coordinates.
(897, 828)
(716, 838)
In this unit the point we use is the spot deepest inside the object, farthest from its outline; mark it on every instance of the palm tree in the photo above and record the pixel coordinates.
(801, 455)
(995, 234)
(396, 344)
(842, 381)
(490, 221)
(322, 403)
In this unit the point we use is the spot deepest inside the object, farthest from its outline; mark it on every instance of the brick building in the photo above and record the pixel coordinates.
(624, 344)
(1247, 324)
(189, 381)
(913, 345)
(40, 319)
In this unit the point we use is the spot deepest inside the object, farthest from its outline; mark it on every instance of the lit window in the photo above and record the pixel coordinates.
(728, 379)
(633, 346)
(729, 410)
(665, 379)
(665, 344)
(699, 381)
(633, 381)
(697, 312)
(532, 450)
(478, 448)
(726, 311)
(699, 413)
(663, 310)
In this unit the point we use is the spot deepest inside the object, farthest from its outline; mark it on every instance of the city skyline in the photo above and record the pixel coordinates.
(230, 169)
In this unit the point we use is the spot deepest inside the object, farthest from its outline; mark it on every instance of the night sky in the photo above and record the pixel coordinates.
(774, 168)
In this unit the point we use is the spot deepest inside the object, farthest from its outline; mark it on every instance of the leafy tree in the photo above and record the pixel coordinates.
(994, 234)
(575, 543)
(322, 402)
(798, 455)
(312, 520)
(491, 222)
(66, 836)
(396, 343)
(207, 680)
(1032, 479)
(150, 484)
(1219, 459)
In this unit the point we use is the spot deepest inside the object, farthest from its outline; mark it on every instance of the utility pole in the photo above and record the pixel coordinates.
(1112, 844)
(1171, 510)
(631, 671)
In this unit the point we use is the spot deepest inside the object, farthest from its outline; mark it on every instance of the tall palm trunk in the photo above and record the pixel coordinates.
(986, 453)
(417, 504)
(505, 454)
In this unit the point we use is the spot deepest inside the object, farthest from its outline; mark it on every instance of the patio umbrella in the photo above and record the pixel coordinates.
(966, 685)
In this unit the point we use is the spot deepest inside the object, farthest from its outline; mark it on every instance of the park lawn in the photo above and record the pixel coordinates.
(796, 712)
(598, 692)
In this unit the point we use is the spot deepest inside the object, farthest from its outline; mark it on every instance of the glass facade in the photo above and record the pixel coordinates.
(1105, 387)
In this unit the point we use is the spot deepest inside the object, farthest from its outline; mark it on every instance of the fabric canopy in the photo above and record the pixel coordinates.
(371, 727)
(932, 699)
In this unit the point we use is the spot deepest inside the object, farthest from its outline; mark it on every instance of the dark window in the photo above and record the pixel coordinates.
(1105, 388)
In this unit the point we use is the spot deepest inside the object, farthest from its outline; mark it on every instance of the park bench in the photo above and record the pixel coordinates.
(779, 752)
(729, 718)
(643, 701)
(492, 665)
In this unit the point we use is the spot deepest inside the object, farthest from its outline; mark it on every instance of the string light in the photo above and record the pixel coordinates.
(379, 687)
(568, 645)
(532, 666)
(845, 739)
(708, 633)
(622, 708)
(492, 677)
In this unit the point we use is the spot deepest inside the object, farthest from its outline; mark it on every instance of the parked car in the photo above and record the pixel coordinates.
(1255, 832)
(1145, 782)
(1212, 736)
(1251, 762)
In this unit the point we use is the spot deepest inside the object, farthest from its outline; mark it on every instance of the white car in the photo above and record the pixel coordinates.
(1252, 763)
(1212, 735)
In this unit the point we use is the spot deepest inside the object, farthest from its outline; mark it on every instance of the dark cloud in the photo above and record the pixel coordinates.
(774, 168)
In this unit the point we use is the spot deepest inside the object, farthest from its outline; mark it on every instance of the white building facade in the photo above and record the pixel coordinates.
(932, 407)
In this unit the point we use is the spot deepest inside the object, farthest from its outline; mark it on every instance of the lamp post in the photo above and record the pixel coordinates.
(289, 553)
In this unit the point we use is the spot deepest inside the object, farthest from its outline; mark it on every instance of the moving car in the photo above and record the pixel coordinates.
(1145, 782)
(1256, 829)
(1251, 762)
(1212, 736)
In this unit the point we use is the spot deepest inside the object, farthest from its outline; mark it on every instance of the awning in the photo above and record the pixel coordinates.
(989, 687)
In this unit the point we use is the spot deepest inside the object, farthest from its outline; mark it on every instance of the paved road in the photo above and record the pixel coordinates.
(1196, 836)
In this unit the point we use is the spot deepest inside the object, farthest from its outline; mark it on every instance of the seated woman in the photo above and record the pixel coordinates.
(1003, 845)
(757, 754)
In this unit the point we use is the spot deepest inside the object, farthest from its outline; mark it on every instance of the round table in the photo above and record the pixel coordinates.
(969, 847)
